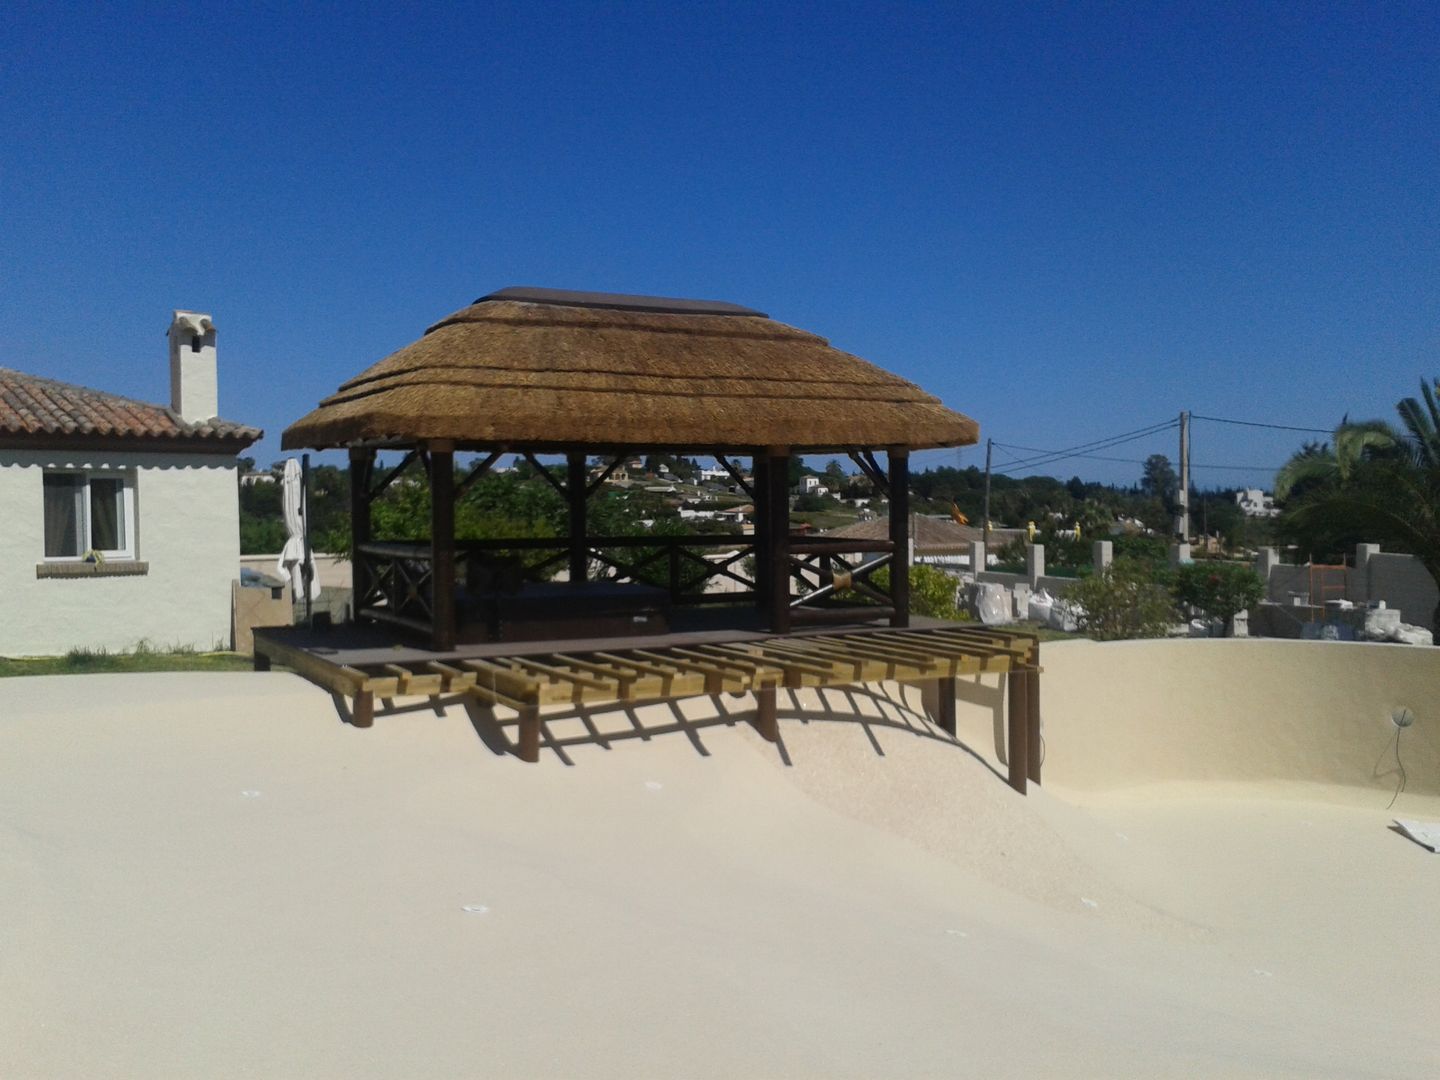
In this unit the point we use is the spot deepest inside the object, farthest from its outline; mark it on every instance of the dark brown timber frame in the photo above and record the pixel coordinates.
(798, 580)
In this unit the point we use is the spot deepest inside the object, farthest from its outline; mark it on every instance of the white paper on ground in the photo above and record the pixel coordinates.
(1424, 833)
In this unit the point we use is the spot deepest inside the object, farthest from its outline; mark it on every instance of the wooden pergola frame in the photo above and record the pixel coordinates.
(413, 585)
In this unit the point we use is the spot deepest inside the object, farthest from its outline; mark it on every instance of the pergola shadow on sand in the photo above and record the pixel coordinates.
(539, 373)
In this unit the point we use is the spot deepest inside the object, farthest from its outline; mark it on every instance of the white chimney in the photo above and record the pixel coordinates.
(194, 387)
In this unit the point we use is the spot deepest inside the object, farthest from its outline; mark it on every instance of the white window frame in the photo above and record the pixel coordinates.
(127, 509)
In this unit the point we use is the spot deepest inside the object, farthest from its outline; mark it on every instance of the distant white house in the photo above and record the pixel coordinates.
(121, 517)
(812, 485)
(714, 474)
(1255, 503)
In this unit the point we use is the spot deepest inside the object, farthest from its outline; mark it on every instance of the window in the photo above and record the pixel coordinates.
(87, 512)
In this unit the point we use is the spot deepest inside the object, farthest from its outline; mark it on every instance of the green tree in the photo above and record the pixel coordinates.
(1159, 480)
(1373, 482)
(1220, 590)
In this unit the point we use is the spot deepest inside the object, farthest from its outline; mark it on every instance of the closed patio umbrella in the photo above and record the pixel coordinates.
(292, 555)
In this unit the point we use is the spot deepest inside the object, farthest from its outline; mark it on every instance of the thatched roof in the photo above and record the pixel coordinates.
(535, 368)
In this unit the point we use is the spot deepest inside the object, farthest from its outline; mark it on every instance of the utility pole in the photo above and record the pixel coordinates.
(985, 512)
(1182, 503)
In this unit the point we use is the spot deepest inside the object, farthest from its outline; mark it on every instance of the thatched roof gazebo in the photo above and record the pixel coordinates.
(536, 372)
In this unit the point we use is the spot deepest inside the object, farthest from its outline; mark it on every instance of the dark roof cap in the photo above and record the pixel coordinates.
(668, 305)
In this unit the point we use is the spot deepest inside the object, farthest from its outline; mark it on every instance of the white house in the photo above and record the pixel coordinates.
(121, 517)
(1255, 503)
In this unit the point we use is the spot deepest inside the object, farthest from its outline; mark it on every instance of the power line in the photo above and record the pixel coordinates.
(1047, 457)
(1257, 424)
(1242, 468)
(1094, 443)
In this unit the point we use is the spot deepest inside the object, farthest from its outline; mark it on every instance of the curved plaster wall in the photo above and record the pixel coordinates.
(1126, 713)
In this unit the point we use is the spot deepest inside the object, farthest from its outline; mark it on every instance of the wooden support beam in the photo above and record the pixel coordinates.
(1033, 739)
(899, 460)
(762, 654)
(453, 680)
(777, 547)
(378, 489)
(362, 461)
(870, 469)
(527, 742)
(945, 711)
(475, 474)
(442, 547)
(514, 684)
(362, 712)
(555, 672)
(594, 485)
(546, 474)
(1018, 727)
(575, 492)
(738, 476)
(410, 682)
(717, 679)
(766, 721)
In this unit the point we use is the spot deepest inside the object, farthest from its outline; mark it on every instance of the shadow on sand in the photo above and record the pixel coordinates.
(889, 706)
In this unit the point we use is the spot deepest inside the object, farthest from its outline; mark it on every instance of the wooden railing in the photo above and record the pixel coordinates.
(832, 587)
(830, 579)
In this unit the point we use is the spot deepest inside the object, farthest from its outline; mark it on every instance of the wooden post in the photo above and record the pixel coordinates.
(899, 481)
(362, 713)
(442, 546)
(1033, 744)
(777, 510)
(362, 464)
(766, 722)
(527, 742)
(1018, 717)
(761, 533)
(945, 712)
(575, 484)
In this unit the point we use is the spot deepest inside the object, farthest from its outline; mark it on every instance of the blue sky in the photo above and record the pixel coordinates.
(1066, 221)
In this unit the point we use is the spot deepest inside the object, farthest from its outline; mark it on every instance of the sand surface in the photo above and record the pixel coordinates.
(209, 875)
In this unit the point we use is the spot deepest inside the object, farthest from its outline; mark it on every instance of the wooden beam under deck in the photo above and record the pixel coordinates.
(621, 674)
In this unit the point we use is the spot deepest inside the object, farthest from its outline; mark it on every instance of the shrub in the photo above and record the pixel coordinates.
(1220, 590)
(1151, 549)
(932, 592)
(1123, 601)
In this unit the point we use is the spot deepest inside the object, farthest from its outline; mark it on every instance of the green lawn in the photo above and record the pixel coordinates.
(84, 662)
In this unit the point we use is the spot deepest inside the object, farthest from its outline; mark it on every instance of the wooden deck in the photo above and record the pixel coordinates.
(363, 663)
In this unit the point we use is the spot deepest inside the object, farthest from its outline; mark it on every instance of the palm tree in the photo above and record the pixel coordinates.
(1374, 482)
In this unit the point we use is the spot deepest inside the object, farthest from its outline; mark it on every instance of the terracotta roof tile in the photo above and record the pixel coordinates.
(932, 536)
(31, 406)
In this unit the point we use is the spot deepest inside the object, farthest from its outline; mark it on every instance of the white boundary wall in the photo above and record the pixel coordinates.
(187, 530)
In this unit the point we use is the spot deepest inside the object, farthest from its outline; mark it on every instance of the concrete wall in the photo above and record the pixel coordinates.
(331, 571)
(256, 607)
(187, 530)
(1402, 582)
(1399, 580)
(1127, 713)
